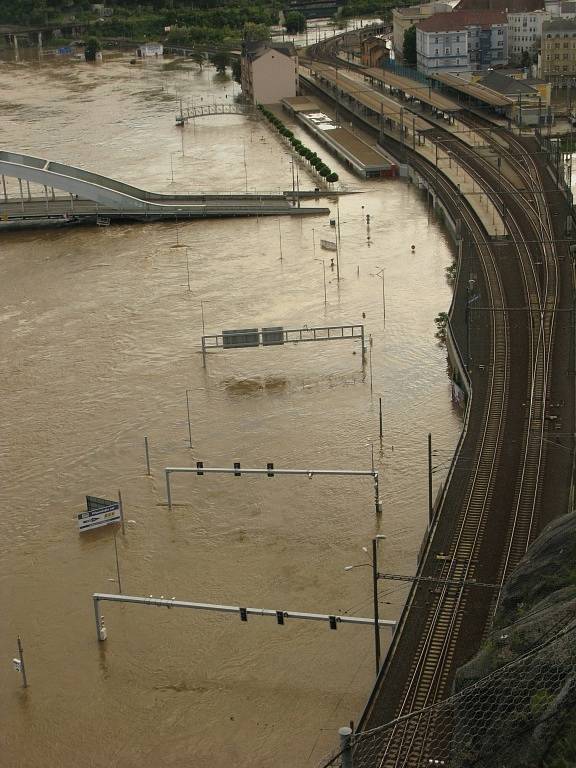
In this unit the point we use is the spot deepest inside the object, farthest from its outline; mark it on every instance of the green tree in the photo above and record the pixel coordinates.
(236, 69)
(256, 31)
(198, 58)
(409, 47)
(295, 22)
(526, 60)
(92, 47)
(220, 60)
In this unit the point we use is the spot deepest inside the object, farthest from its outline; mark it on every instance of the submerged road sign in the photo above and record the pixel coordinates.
(278, 335)
(99, 512)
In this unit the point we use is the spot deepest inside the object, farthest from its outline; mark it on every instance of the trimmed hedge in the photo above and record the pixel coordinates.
(299, 147)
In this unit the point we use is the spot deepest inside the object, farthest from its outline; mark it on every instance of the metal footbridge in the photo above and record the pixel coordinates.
(93, 197)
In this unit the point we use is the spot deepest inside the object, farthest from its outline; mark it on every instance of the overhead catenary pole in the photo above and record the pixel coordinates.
(430, 503)
(376, 615)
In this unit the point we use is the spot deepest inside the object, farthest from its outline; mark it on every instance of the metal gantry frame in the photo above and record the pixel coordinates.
(278, 336)
(271, 471)
(243, 613)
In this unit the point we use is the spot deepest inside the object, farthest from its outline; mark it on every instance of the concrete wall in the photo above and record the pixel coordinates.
(274, 77)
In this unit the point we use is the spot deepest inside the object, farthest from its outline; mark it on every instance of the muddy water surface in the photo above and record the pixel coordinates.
(99, 341)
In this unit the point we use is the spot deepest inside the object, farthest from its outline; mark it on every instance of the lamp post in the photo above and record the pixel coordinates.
(375, 576)
(172, 165)
(380, 274)
(324, 276)
(118, 580)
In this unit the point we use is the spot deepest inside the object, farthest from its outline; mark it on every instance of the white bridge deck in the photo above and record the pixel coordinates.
(90, 195)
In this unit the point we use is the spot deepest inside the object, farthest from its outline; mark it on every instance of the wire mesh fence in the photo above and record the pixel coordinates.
(513, 716)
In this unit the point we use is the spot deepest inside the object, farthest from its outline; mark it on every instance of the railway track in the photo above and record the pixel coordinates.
(535, 260)
(538, 262)
(409, 742)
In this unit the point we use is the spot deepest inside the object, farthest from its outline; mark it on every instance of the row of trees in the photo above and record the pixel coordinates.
(304, 151)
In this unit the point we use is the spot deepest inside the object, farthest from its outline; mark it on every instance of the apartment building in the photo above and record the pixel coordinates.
(462, 41)
(525, 32)
(404, 18)
(558, 55)
(269, 71)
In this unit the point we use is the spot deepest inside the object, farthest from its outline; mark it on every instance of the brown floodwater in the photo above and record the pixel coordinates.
(99, 341)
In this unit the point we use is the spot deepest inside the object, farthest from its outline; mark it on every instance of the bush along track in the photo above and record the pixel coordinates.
(316, 162)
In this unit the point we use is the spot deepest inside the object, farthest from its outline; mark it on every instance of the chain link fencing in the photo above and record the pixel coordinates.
(521, 714)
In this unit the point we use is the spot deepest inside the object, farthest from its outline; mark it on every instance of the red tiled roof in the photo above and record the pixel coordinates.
(452, 22)
(512, 6)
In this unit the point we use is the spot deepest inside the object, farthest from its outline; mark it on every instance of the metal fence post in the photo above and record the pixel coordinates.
(345, 734)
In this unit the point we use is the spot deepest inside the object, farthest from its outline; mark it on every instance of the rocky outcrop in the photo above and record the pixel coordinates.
(515, 703)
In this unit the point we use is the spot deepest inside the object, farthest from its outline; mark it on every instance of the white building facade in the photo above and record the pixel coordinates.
(462, 41)
(525, 32)
(404, 18)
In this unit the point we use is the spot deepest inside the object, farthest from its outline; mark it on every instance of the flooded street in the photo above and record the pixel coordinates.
(99, 342)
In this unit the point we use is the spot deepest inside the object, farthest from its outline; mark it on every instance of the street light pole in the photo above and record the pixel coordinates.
(324, 276)
(202, 311)
(380, 274)
(117, 565)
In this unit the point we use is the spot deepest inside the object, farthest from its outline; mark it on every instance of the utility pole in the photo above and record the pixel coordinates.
(430, 503)
(376, 612)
